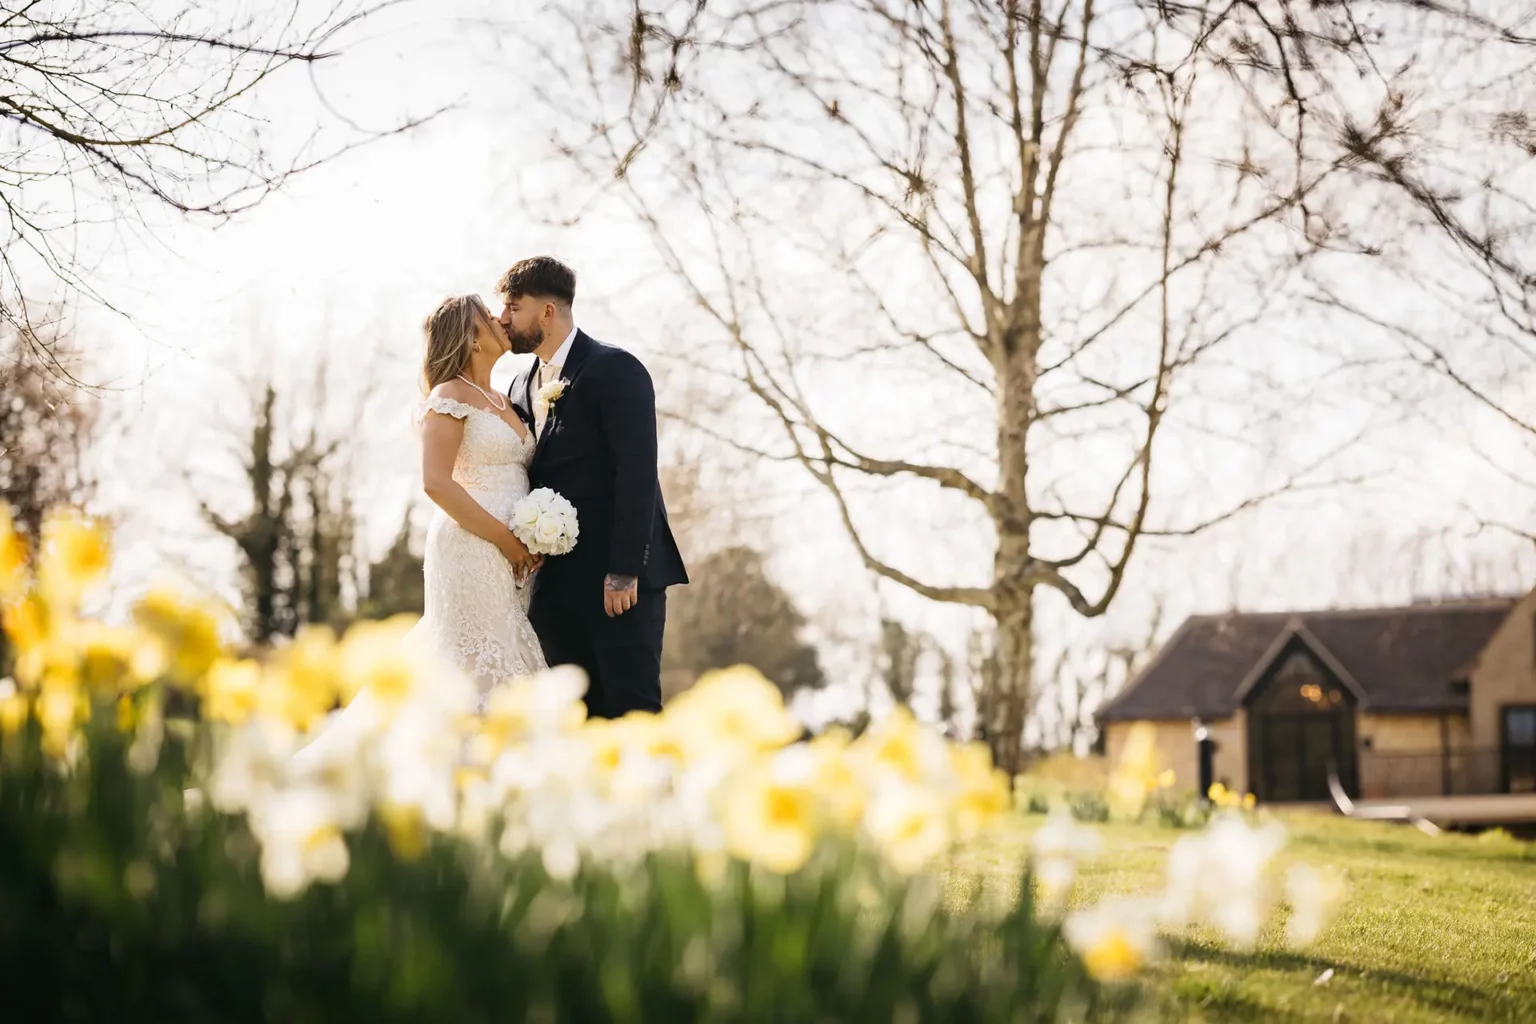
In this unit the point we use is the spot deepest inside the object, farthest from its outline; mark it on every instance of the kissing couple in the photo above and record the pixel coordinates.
(512, 585)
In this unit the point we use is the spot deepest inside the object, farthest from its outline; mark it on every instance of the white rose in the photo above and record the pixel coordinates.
(526, 514)
(548, 530)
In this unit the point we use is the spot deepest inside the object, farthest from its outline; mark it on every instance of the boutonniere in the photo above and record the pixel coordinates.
(548, 394)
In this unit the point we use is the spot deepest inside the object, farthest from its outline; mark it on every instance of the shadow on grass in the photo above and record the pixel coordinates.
(1462, 1000)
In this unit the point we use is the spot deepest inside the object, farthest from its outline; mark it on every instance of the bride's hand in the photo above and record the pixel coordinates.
(523, 560)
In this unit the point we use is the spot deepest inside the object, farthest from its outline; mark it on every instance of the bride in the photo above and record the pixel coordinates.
(475, 453)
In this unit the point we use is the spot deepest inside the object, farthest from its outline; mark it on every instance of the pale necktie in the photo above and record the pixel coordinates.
(547, 373)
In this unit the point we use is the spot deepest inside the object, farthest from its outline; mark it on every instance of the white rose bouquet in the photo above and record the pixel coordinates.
(545, 523)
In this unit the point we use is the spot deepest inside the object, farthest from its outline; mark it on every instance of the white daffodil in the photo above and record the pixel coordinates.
(1115, 938)
(301, 841)
(1221, 877)
(252, 764)
(1312, 895)
(1057, 847)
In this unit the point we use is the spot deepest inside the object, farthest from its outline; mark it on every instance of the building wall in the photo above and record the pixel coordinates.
(1402, 732)
(1405, 757)
(1176, 749)
(1504, 673)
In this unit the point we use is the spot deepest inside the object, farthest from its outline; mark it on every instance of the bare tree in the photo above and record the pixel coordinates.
(46, 429)
(1063, 221)
(114, 109)
(295, 525)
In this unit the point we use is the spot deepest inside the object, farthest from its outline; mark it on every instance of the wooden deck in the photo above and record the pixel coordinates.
(1432, 813)
(1449, 811)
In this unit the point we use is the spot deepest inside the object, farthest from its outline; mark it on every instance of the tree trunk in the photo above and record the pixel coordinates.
(1011, 678)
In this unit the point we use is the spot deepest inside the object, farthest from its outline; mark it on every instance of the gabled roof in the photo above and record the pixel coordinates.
(1392, 659)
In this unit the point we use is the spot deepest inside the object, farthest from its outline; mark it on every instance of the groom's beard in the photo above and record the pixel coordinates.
(525, 342)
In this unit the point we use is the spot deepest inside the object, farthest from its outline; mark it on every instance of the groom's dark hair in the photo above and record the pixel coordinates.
(542, 277)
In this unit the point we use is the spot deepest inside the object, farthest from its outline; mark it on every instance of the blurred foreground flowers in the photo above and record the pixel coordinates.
(1223, 878)
(234, 840)
(203, 834)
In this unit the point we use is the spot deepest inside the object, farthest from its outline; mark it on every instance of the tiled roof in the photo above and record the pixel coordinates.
(1404, 659)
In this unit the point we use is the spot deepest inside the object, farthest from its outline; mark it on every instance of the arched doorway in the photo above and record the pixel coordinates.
(1301, 722)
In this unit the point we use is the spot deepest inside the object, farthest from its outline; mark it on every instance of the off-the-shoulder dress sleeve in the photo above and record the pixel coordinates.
(442, 404)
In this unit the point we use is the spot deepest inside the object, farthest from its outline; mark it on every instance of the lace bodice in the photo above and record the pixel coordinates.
(476, 611)
(493, 459)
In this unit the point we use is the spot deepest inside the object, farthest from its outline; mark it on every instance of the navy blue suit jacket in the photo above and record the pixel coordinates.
(598, 450)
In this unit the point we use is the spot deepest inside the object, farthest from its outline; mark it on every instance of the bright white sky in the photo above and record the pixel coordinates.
(350, 258)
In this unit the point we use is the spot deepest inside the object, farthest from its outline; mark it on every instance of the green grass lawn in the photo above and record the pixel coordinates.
(1432, 929)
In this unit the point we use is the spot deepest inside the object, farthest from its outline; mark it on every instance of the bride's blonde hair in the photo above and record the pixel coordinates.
(451, 331)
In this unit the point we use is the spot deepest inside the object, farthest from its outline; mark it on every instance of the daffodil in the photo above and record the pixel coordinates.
(546, 705)
(13, 557)
(185, 631)
(301, 842)
(910, 824)
(1220, 877)
(1312, 895)
(900, 747)
(106, 655)
(27, 626)
(841, 791)
(1058, 847)
(14, 708)
(769, 813)
(1136, 774)
(734, 712)
(60, 709)
(1116, 938)
(231, 691)
(75, 556)
(984, 795)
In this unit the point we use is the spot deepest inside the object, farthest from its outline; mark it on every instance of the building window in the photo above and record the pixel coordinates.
(1518, 749)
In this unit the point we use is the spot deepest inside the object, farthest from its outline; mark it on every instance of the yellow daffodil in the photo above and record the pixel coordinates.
(984, 794)
(303, 680)
(405, 830)
(734, 711)
(231, 691)
(838, 785)
(26, 623)
(1136, 775)
(911, 825)
(375, 656)
(106, 655)
(13, 557)
(900, 746)
(186, 632)
(75, 556)
(770, 819)
(13, 708)
(60, 710)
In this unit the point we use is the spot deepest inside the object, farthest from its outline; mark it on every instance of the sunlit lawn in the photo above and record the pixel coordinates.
(1434, 929)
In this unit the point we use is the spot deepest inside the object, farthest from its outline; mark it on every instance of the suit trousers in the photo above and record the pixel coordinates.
(621, 655)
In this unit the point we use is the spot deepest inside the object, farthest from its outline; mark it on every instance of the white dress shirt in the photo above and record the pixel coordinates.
(549, 371)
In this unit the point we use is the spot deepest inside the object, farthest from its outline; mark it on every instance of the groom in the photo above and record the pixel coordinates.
(593, 409)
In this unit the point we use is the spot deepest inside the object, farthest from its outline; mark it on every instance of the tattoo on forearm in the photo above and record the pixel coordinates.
(620, 583)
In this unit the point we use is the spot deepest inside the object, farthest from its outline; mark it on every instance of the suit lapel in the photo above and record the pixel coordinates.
(573, 364)
(523, 384)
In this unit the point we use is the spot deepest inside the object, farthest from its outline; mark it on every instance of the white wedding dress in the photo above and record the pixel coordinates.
(476, 613)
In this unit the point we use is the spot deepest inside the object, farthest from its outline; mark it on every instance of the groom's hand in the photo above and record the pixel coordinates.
(620, 594)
